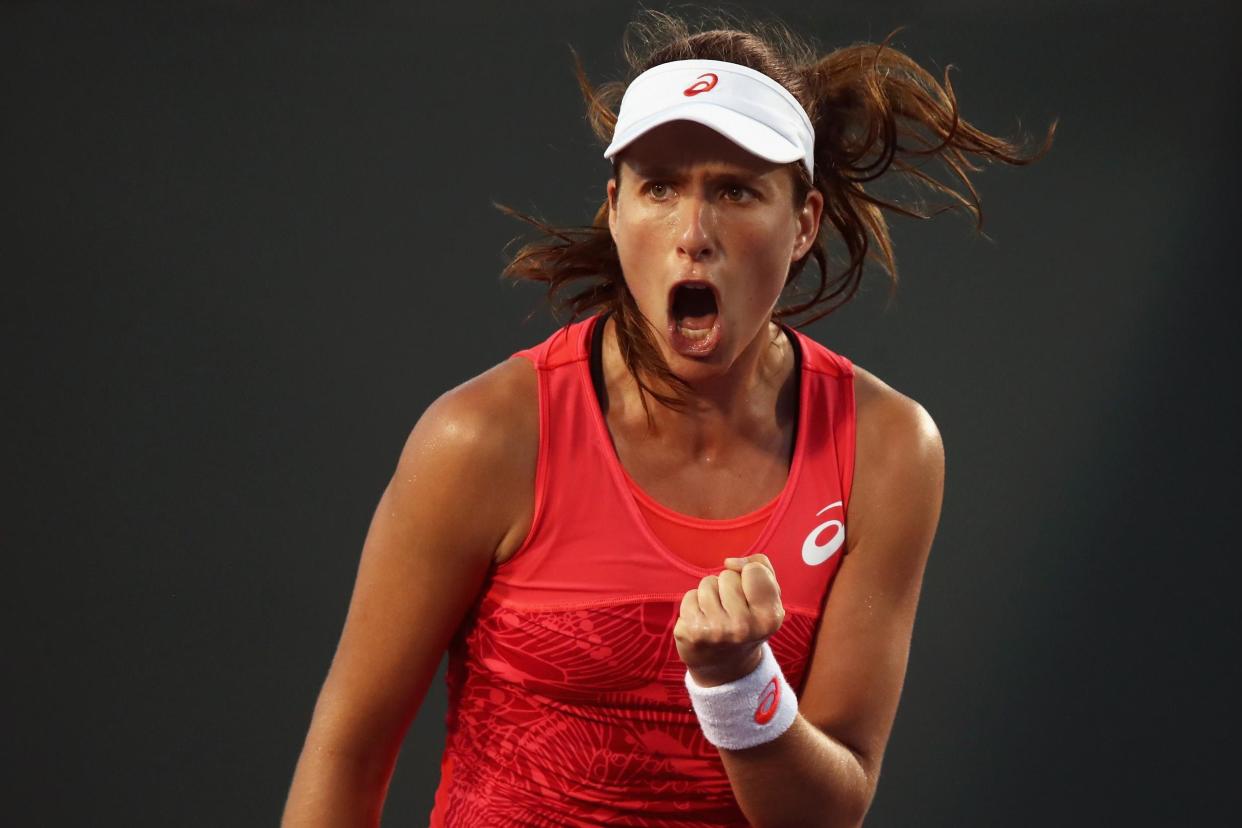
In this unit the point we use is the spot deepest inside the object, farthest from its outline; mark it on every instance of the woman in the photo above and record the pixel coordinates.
(634, 536)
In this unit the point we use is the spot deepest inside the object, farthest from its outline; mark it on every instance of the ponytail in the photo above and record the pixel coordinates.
(877, 114)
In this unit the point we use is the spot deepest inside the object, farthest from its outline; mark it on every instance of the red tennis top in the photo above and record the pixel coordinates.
(567, 702)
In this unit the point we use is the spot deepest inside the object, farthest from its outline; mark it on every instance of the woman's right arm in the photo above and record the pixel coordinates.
(461, 497)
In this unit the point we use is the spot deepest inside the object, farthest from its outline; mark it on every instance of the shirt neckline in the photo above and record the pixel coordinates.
(591, 337)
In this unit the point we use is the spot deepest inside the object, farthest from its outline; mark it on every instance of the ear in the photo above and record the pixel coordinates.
(808, 218)
(612, 206)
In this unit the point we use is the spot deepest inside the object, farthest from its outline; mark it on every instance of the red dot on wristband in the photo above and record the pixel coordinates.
(768, 701)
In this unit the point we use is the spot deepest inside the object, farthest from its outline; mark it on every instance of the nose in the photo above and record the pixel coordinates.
(696, 241)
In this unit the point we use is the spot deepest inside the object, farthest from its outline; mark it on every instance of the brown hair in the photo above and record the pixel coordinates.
(875, 111)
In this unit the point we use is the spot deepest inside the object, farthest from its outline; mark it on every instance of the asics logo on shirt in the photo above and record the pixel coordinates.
(819, 545)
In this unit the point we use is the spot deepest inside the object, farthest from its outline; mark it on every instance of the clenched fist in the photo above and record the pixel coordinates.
(727, 618)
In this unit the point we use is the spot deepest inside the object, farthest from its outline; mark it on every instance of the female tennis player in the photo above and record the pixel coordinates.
(675, 550)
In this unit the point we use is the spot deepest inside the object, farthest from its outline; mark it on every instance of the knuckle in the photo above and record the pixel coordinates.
(690, 632)
(770, 617)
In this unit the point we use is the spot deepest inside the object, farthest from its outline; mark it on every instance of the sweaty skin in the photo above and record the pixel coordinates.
(692, 205)
(461, 499)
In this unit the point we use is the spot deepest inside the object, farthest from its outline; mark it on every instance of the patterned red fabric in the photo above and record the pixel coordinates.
(567, 705)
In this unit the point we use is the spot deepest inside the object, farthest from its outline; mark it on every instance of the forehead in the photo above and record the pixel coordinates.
(682, 146)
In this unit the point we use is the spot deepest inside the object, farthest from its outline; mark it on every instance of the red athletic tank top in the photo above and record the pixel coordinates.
(697, 540)
(567, 702)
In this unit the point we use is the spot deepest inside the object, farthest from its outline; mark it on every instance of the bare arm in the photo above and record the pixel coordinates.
(460, 497)
(823, 770)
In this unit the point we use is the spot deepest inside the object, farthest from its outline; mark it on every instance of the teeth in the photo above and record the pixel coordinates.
(694, 333)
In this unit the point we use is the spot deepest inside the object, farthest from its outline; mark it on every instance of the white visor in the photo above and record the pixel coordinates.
(745, 106)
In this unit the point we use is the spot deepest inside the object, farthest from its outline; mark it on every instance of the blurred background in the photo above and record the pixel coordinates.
(244, 244)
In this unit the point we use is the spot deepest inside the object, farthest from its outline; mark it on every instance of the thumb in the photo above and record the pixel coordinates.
(759, 584)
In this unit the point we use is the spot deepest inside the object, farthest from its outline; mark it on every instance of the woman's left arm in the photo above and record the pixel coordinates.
(823, 770)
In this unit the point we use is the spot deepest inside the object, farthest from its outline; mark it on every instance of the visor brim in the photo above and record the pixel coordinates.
(751, 135)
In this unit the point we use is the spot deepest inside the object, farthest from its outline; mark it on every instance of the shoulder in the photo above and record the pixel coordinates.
(899, 453)
(483, 413)
(885, 412)
(891, 428)
(481, 441)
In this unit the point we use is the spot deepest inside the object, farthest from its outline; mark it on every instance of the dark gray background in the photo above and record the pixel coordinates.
(245, 244)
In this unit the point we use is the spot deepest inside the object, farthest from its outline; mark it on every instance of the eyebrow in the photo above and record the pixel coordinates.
(726, 173)
(654, 171)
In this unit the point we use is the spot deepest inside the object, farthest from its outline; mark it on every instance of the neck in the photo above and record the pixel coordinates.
(739, 402)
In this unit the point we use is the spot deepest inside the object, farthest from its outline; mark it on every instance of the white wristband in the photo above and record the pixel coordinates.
(750, 711)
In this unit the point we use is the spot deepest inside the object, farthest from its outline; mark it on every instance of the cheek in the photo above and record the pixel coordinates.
(769, 250)
(638, 252)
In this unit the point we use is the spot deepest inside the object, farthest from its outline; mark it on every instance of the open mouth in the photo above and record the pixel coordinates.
(694, 318)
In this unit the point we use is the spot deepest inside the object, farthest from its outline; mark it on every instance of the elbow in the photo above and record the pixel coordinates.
(846, 815)
(850, 818)
(843, 812)
(832, 788)
(850, 809)
(838, 816)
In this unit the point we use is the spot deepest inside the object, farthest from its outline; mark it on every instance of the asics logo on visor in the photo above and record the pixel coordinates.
(701, 85)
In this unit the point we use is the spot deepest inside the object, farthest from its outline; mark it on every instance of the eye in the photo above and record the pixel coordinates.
(659, 191)
(737, 193)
